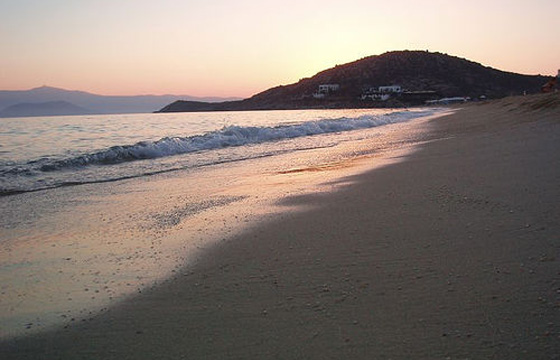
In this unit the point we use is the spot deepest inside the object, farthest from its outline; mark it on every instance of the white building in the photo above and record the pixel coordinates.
(381, 93)
(376, 96)
(393, 89)
(327, 88)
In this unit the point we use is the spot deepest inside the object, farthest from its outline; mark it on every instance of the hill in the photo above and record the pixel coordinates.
(422, 74)
(50, 108)
(97, 104)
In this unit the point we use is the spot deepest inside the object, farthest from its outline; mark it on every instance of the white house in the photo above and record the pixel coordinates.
(390, 89)
(327, 88)
(376, 96)
(381, 93)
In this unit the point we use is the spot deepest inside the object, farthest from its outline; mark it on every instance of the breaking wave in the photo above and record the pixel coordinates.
(229, 136)
(228, 144)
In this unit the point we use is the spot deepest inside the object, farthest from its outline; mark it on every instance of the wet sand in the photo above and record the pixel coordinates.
(452, 253)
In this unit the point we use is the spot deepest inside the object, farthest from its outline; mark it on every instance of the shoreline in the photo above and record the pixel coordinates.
(452, 252)
(129, 235)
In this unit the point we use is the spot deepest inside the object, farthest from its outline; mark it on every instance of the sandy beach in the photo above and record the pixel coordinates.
(453, 252)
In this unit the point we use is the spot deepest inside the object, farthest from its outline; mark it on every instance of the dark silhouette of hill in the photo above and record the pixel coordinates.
(50, 108)
(97, 104)
(415, 71)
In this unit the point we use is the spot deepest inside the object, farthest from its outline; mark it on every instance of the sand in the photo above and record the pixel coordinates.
(452, 253)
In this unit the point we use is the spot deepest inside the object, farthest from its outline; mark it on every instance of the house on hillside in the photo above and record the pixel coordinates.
(325, 89)
(392, 89)
(376, 96)
(381, 93)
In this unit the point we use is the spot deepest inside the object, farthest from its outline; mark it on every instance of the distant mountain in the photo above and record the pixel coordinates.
(419, 72)
(97, 104)
(50, 108)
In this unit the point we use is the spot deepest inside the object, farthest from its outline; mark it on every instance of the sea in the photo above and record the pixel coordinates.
(39, 153)
(97, 209)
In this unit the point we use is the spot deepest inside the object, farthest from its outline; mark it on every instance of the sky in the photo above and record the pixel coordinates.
(241, 47)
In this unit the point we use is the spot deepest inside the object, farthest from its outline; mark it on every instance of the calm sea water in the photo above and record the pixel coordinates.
(45, 152)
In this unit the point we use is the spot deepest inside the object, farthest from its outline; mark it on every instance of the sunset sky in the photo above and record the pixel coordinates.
(241, 47)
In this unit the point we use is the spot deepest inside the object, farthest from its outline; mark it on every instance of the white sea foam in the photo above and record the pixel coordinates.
(226, 137)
